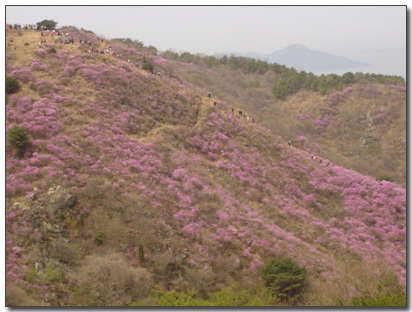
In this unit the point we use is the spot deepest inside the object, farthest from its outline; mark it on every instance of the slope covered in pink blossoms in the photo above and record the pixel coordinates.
(209, 195)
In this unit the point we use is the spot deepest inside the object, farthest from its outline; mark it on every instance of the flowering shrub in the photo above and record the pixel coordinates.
(331, 107)
(23, 75)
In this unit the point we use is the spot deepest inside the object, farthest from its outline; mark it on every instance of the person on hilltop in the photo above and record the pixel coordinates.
(208, 95)
(289, 142)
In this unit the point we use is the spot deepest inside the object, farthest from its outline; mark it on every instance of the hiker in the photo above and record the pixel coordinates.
(289, 142)
(233, 110)
(214, 103)
(240, 113)
(208, 95)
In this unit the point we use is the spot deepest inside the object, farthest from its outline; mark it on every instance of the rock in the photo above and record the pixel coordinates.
(124, 245)
(55, 228)
(38, 267)
(59, 200)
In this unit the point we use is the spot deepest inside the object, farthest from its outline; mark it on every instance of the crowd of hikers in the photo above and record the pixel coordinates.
(61, 38)
(24, 26)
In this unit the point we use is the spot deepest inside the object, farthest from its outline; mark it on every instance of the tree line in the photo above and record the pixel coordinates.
(289, 80)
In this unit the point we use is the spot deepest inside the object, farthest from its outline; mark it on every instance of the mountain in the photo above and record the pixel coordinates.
(138, 187)
(302, 58)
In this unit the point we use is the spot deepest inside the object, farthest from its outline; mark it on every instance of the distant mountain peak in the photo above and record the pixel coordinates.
(297, 46)
(303, 58)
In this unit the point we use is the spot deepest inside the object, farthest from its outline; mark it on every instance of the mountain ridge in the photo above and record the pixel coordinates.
(303, 58)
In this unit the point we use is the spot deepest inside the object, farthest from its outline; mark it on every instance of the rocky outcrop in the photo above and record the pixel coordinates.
(49, 209)
(59, 200)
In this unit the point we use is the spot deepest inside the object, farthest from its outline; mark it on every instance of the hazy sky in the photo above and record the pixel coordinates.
(215, 29)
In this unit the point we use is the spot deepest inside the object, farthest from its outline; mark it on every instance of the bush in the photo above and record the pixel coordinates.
(12, 85)
(18, 138)
(31, 276)
(100, 237)
(64, 252)
(52, 274)
(52, 50)
(148, 67)
(384, 177)
(228, 297)
(379, 299)
(33, 87)
(284, 278)
(115, 281)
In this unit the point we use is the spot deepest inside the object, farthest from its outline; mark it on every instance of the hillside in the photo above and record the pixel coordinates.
(362, 126)
(137, 183)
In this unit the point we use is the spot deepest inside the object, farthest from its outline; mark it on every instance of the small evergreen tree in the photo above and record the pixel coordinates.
(99, 237)
(18, 138)
(12, 85)
(284, 278)
(148, 67)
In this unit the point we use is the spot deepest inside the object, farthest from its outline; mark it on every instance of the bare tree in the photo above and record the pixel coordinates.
(114, 281)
